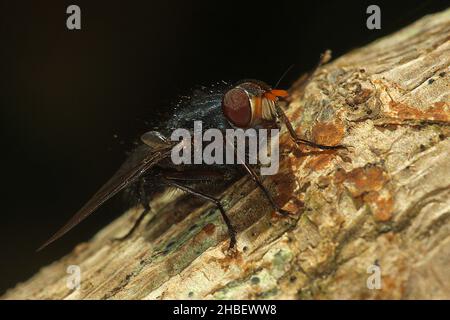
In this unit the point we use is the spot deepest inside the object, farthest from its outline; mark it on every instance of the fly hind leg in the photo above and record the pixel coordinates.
(144, 201)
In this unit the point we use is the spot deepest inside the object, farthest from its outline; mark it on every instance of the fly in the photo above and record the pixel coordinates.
(149, 169)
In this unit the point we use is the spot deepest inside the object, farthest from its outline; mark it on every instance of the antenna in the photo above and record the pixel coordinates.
(284, 74)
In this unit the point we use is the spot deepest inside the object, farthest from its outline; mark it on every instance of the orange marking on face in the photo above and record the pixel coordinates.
(269, 95)
(279, 93)
(257, 113)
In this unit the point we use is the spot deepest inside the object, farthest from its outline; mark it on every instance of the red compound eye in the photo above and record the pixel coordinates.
(236, 107)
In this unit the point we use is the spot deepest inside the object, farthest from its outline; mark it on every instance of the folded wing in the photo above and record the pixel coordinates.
(141, 160)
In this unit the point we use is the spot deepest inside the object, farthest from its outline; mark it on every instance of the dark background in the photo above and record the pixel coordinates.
(64, 95)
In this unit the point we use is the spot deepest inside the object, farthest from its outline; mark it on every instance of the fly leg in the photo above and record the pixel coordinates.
(226, 219)
(324, 58)
(143, 199)
(296, 138)
(259, 183)
(266, 192)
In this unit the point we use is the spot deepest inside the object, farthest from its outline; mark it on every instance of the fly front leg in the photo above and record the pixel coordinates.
(324, 58)
(281, 115)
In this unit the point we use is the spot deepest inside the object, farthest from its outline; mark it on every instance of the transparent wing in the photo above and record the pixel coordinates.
(142, 159)
(154, 140)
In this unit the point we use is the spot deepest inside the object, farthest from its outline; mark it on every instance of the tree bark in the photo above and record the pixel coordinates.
(382, 205)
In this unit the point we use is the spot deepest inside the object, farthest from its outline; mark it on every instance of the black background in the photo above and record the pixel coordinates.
(64, 94)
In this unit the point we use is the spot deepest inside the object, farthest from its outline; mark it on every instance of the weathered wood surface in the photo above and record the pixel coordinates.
(385, 201)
